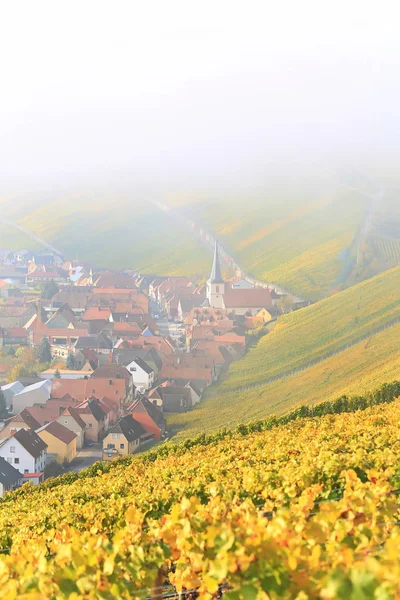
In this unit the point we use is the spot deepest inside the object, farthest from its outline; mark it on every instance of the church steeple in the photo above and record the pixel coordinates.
(216, 284)
(216, 276)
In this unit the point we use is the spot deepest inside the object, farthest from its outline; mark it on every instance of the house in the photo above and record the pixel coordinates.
(61, 442)
(14, 336)
(151, 356)
(115, 372)
(99, 342)
(63, 318)
(124, 438)
(25, 450)
(221, 294)
(72, 420)
(94, 418)
(37, 393)
(239, 283)
(9, 392)
(175, 399)
(15, 316)
(98, 387)
(180, 371)
(195, 392)
(98, 313)
(77, 297)
(142, 374)
(10, 477)
(155, 397)
(149, 416)
(24, 420)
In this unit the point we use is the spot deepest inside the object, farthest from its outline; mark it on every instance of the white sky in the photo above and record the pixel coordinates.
(194, 90)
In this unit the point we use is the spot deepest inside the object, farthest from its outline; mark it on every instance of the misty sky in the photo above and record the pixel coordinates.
(191, 90)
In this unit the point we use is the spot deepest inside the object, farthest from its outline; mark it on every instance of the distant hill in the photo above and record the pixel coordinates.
(297, 240)
(347, 343)
(311, 240)
(303, 242)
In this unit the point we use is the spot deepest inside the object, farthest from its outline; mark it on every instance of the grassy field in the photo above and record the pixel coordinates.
(310, 334)
(360, 368)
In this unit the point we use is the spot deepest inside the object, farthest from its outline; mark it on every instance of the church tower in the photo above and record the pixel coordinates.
(215, 284)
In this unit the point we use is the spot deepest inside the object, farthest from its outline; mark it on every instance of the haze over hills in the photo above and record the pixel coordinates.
(199, 300)
(311, 236)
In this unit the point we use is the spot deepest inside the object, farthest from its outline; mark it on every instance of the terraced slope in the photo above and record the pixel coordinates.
(356, 370)
(114, 232)
(296, 241)
(302, 337)
(344, 344)
(284, 237)
(304, 510)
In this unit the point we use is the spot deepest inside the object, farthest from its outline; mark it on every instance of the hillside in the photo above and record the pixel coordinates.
(304, 336)
(11, 238)
(111, 230)
(303, 242)
(296, 239)
(347, 343)
(301, 510)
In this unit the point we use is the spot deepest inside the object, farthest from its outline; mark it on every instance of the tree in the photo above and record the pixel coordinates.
(44, 352)
(49, 289)
(57, 374)
(3, 406)
(285, 304)
(71, 362)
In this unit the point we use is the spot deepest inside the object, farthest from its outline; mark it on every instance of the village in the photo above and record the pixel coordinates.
(120, 351)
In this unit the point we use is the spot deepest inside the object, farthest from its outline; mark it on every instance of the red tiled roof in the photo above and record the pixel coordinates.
(80, 389)
(251, 298)
(95, 313)
(14, 332)
(178, 372)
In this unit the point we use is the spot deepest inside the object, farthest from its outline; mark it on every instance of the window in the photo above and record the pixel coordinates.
(115, 436)
(133, 369)
(26, 470)
(122, 445)
(16, 461)
(90, 425)
(66, 422)
(12, 448)
(217, 289)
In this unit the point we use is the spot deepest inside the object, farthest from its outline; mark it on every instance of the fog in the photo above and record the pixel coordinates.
(190, 94)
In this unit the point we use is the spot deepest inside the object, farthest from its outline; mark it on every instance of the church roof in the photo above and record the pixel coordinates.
(216, 276)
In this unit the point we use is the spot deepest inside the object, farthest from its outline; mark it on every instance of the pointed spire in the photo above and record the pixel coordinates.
(216, 276)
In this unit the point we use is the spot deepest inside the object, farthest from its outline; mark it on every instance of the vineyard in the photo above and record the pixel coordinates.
(386, 248)
(293, 240)
(302, 337)
(114, 231)
(304, 510)
(358, 369)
